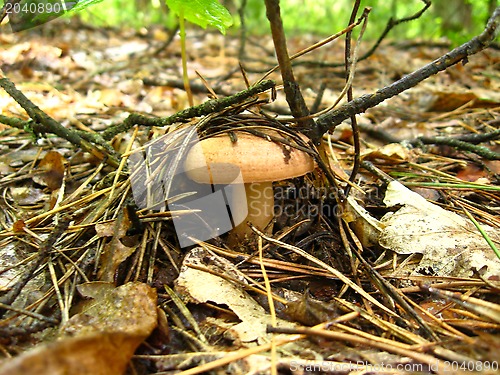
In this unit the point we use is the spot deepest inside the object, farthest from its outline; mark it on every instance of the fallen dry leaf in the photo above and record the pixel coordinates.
(199, 287)
(115, 251)
(394, 152)
(52, 166)
(98, 341)
(451, 245)
(27, 195)
(366, 227)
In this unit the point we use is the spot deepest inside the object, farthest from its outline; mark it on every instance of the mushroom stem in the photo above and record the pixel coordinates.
(260, 203)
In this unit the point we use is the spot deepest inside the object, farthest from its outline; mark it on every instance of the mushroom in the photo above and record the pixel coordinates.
(260, 162)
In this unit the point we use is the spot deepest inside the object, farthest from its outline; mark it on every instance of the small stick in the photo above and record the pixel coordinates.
(47, 124)
(330, 120)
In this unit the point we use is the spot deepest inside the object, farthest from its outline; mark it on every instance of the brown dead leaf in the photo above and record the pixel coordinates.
(114, 254)
(52, 166)
(442, 101)
(130, 308)
(115, 251)
(446, 102)
(366, 227)
(472, 172)
(97, 354)
(104, 336)
(27, 195)
(110, 97)
(198, 286)
(18, 226)
(393, 152)
(450, 244)
(96, 290)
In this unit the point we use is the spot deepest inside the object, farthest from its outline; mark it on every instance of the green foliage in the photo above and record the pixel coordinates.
(326, 17)
(28, 128)
(81, 5)
(135, 14)
(322, 17)
(459, 20)
(202, 13)
(32, 13)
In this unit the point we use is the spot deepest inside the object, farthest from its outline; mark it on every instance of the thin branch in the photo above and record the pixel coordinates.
(170, 39)
(313, 47)
(461, 145)
(243, 29)
(329, 121)
(479, 137)
(294, 97)
(43, 252)
(390, 25)
(211, 106)
(46, 124)
(465, 142)
(350, 68)
(353, 60)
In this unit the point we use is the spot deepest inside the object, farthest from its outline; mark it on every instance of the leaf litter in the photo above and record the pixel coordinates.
(92, 282)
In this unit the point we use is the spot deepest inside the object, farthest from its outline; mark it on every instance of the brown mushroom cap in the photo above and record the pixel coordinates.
(218, 160)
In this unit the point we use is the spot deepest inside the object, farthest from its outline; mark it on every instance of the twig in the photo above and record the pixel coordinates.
(163, 46)
(211, 106)
(461, 145)
(294, 97)
(379, 133)
(319, 97)
(350, 68)
(487, 309)
(384, 286)
(370, 167)
(24, 330)
(353, 59)
(196, 87)
(466, 142)
(46, 124)
(479, 137)
(390, 25)
(243, 29)
(35, 315)
(330, 120)
(327, 267)
(43, 253)
(315, 46)
(371, 343)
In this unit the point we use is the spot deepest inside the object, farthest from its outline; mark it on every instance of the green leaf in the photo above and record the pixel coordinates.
(83, 4)
(30, 13)
(202, 13)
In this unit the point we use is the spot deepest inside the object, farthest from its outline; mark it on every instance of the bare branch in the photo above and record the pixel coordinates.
(294, 97)
(330, 120)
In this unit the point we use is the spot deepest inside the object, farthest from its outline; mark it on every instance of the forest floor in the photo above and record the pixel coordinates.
(384, 282)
